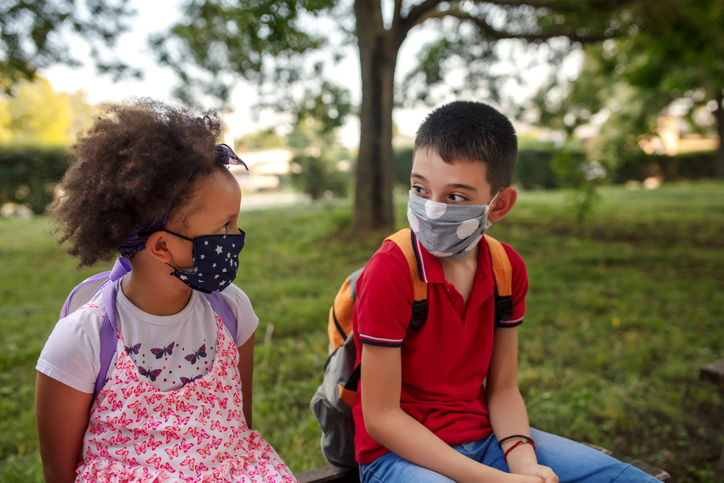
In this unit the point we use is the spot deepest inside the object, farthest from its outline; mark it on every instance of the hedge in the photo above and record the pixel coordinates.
(533, 167)
(403, 166)
(533, 170)
(683, 166)
(29, 174)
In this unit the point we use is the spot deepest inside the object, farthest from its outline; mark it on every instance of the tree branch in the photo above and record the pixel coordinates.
(419, 11)
(397, 16)
(520, 3)
(557, 4)
(398, 11)
(426, 10)
(500, 35)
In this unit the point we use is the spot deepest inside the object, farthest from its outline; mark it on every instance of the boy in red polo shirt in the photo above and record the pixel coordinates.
(424, 411)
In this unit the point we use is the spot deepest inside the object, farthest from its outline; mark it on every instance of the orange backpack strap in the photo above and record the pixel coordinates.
(403, 239)
(503, 275)
(339, 325)
(502, 271)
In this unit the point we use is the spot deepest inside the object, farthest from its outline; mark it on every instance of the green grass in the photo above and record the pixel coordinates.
(621, 312)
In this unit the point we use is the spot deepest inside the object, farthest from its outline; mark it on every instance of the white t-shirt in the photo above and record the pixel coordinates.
(168, 350)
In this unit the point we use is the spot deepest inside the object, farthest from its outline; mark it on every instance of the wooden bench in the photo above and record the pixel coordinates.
(335, 474)
(328, 474)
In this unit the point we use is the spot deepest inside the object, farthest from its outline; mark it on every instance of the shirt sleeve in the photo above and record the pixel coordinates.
(72, 352)
(519, 287)
(382, 310)
(246, 319)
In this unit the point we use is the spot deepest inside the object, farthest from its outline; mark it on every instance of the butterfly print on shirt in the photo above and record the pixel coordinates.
(133, 348)
(197, 354)
(186, 380)
(152, 374)
(160, 352)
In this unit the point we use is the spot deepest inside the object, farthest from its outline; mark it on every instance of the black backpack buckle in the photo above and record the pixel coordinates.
(419, 314)
(503, 308)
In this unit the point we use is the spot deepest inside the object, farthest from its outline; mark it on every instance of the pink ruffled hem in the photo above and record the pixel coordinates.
(255, 462)
(103, 470)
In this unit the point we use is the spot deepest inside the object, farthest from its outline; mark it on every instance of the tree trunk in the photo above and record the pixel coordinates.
(719, 114)
(375, 164)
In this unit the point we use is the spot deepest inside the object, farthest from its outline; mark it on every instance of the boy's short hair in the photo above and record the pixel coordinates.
(473, 131)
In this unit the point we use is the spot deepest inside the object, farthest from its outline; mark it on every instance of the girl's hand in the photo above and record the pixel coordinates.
(540, 471)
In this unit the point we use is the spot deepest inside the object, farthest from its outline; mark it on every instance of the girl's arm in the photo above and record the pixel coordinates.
(61, 414)
(508, 415)
(246, 370)
(394, 429)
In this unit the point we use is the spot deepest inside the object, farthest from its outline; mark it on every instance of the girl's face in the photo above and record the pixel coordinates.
(214, 210)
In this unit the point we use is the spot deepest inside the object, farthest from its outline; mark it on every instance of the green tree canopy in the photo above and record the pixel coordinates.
(265, 138)
(38, 114)
(267, 42)
(35, 34)
(664, 52)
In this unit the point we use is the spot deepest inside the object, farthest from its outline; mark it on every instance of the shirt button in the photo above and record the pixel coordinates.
(458, 303)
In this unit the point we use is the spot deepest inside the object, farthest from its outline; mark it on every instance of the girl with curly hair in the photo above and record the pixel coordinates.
(150, 182)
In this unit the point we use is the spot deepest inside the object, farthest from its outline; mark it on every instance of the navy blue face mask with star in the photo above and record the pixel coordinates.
(216, 261)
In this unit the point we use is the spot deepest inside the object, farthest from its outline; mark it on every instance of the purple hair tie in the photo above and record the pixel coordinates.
(227, 156)
(137, 241)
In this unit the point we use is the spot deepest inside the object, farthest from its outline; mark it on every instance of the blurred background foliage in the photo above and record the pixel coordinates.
(639, 58)
(640, 63)
(318, 151)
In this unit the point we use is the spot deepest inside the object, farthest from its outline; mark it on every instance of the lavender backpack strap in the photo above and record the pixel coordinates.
(98, 278)
(221, 307)
(109, 325)
(120, 268)
(108, 335)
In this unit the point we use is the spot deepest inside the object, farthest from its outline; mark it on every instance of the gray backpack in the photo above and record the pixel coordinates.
(333, 401)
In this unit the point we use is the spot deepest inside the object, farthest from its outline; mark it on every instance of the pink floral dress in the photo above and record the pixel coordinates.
(197, 433)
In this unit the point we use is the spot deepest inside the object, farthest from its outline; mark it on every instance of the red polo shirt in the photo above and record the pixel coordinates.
(444, 364)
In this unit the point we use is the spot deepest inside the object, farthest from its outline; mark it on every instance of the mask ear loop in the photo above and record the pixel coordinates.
(175, 270)
(494, 198)
(176, 234)
(488, 207)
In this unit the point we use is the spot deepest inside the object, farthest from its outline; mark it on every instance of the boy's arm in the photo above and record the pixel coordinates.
(61, 414)
(394, 429)
(246, 371)
(508, 415)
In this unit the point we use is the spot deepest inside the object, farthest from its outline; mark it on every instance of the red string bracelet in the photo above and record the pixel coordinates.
(522, 441)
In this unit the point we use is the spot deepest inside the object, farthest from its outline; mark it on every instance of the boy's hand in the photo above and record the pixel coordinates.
(540, 471)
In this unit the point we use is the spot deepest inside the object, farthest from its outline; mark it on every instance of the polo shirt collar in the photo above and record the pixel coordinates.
(430, 268)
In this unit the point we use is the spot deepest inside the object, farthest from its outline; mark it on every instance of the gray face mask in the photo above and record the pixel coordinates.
(447, 231)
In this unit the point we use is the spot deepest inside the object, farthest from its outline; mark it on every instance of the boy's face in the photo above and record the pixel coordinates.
(461, 182)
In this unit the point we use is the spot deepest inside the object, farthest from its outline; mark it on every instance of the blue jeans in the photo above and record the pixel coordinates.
(571, 461)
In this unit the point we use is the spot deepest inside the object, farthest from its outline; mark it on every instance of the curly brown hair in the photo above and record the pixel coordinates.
(134, 169)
